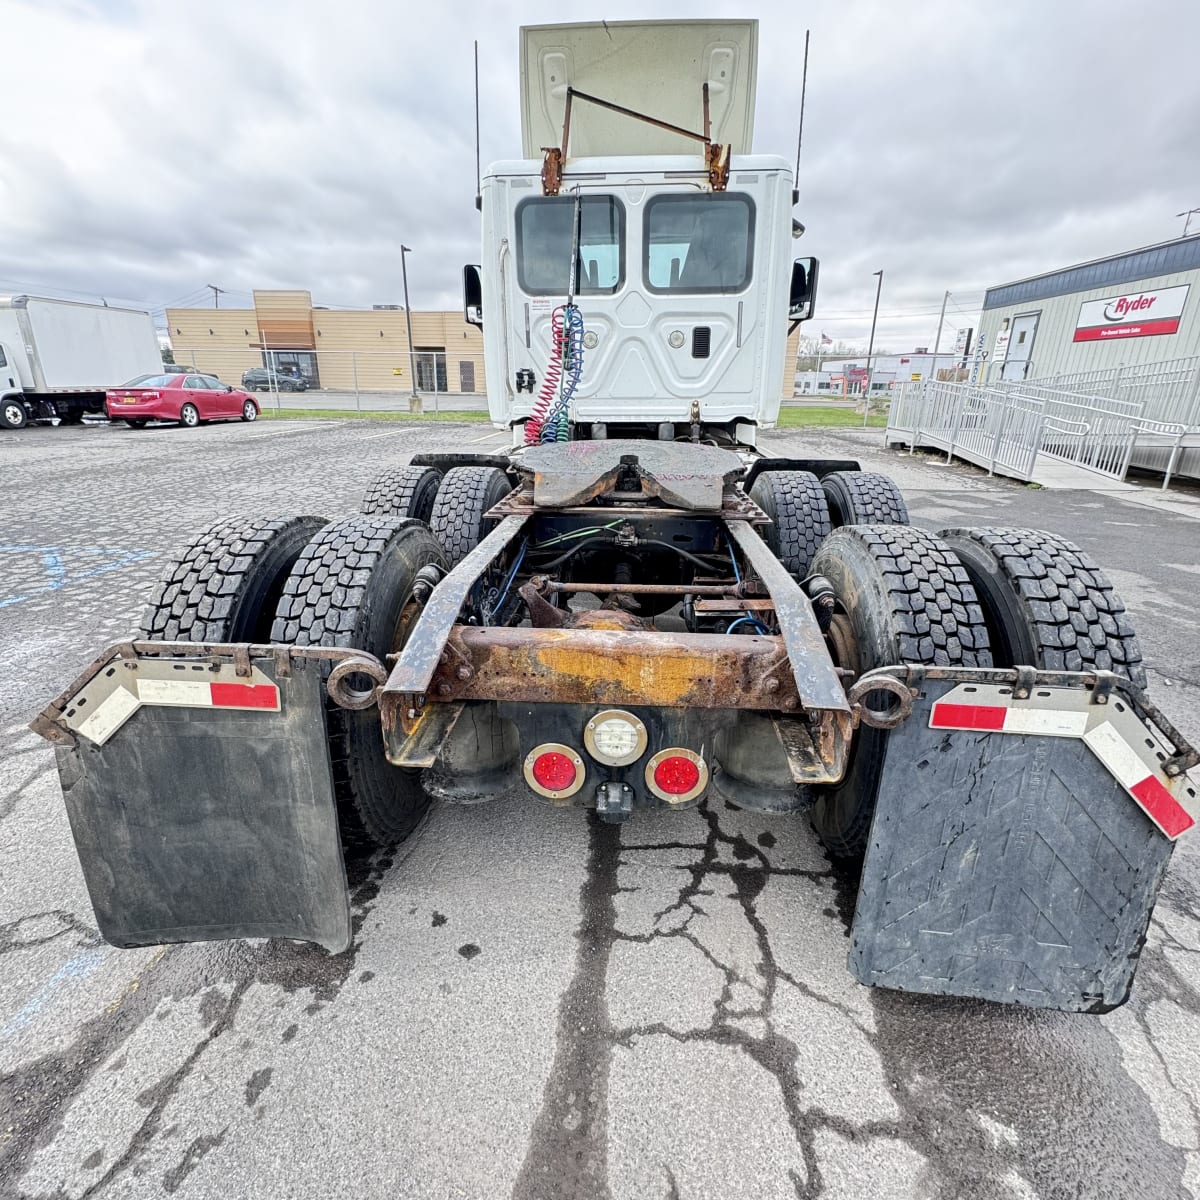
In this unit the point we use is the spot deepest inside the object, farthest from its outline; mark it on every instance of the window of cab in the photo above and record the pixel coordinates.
(698, 243)
(545, 231)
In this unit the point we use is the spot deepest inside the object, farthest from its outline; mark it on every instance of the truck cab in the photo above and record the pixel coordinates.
(672, 241)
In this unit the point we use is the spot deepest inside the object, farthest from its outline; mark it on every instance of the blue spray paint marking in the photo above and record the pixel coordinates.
(77, 968)
(54, 565)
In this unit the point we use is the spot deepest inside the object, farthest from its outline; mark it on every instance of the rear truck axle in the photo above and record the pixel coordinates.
(1008, 792)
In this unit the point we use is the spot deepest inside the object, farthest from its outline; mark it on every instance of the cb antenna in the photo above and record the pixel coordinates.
(800, 135)
(478, 185)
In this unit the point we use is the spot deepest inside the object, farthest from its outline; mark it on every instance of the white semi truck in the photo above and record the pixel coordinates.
(59, 357)
(635, 609)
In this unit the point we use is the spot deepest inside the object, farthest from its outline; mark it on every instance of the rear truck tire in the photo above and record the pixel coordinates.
(863, 498)
(795, 502)
(225, 584)
(137, 422)
(465, 495)
(1047, 604)
(902, 597)
(352, 586)
(249, 411)
(403, 492)
(189, 416)
(13, 414)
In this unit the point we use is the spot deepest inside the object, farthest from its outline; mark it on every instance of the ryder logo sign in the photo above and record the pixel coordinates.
(1136, 314)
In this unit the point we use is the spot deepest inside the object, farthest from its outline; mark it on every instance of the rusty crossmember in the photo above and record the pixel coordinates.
(617, 667)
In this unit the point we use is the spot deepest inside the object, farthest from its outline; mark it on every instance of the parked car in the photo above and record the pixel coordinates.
(258, 379)
(187, 399)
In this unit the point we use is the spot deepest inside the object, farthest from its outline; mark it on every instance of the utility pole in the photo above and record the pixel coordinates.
(937, 341)
(414, 400)
(1187, 216)
(217, 293)
(871, 348)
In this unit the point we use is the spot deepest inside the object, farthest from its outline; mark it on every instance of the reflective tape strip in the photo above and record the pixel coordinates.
(200, 693)
(1156, 799)
(995, 718)
(188, 693)
(245, 695)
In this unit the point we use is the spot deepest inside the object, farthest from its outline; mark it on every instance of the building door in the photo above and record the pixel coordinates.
(431, 368)
(1019, 361)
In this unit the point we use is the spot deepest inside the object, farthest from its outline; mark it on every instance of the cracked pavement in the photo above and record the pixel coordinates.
(537, 1004)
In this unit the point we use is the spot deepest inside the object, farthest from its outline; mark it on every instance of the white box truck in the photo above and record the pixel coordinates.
(59, 357)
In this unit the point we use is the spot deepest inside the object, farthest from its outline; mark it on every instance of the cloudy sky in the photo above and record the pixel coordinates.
(149, 148)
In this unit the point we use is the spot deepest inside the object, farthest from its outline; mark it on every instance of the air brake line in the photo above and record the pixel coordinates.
(550, 420)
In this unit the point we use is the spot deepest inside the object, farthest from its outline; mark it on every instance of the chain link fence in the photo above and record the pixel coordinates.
(354, 380)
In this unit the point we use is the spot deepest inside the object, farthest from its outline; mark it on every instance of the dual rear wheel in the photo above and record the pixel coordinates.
(310, 583)
(970, 598)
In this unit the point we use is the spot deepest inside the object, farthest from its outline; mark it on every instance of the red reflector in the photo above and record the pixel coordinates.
(677, 775)
(244, 695)
(554, 771)
(1171, 817)
(967, 716)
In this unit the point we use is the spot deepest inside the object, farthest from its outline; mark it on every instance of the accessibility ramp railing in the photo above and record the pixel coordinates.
(999, 430)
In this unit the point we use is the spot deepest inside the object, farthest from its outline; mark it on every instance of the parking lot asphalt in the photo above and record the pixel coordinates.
(537, 1005)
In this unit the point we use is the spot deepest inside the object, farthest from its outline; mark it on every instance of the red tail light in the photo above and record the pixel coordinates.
(554, 771)
(677, 775)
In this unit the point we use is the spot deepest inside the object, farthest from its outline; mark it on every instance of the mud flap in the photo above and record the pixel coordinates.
(202, 808)
(1007, 865)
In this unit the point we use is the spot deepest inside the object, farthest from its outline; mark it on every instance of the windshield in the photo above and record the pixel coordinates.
(699, 243)
(544, 235)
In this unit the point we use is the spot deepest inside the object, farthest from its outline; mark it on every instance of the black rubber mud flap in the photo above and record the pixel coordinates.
(1005, 867)
(198, 823)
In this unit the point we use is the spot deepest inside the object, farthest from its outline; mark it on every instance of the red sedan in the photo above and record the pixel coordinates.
(188, 399)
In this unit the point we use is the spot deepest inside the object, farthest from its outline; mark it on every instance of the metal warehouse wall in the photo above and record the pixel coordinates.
(1054, 352)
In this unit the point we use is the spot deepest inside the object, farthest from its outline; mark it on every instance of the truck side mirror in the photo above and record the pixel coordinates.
(802, 301)
(473, 295)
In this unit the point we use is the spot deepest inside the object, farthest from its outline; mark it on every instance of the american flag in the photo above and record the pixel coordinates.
(826, 340)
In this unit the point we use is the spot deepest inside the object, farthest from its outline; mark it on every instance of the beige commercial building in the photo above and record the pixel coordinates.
(341, 349)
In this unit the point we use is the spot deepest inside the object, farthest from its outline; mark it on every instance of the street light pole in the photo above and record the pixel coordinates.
(871, 348)
(414, 400)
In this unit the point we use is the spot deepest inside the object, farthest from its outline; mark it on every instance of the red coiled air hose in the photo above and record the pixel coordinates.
(550, 381)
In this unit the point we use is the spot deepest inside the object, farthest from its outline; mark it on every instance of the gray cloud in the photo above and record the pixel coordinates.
(163, 147)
